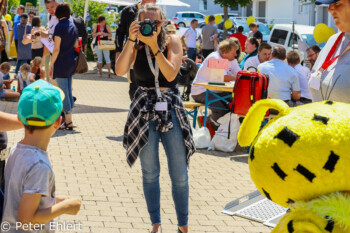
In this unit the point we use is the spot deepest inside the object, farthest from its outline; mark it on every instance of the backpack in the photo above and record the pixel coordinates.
(80, 25)
(249, 88)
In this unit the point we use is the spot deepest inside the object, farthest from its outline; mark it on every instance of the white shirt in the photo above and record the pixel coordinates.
(53, 21)
(303, 75)
(191, 36)
(252, 61)
(283, 79)
(203, 74)
(340, 68)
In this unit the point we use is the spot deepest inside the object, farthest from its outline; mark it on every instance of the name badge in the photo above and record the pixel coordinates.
(315, 81)
(161, 106)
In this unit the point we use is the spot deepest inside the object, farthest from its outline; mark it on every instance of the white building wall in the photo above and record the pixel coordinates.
(280, 11)
(195, 6)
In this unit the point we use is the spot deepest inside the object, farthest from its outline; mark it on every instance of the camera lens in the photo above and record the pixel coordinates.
(37, 34)
(147, 30)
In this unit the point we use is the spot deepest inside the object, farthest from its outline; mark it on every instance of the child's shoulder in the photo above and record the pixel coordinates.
(28, 156)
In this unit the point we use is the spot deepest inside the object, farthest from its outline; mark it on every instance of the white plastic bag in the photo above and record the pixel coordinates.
(221, 141)
(201, 137)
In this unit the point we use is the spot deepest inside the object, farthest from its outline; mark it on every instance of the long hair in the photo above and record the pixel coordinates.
(162, 35)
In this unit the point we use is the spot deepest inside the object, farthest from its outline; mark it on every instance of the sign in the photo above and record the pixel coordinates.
(88, 16)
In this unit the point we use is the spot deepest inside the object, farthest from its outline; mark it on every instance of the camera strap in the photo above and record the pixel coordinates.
(155, 71)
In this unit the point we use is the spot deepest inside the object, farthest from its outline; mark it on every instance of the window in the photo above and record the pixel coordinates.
(279, 36)
(198, 16)
(186, 15)
(203, 5)
(294, 38)
(234, 8)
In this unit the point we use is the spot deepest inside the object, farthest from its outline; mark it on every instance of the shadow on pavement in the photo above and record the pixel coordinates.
(60, 133)
(239, 155)
(118, 139)
(80, 108)
(95, 77)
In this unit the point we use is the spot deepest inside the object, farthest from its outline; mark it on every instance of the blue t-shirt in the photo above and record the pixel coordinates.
(16, 21)
(24, 52)
(64, 66)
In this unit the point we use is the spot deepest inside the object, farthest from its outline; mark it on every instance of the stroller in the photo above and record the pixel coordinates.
(187, 74)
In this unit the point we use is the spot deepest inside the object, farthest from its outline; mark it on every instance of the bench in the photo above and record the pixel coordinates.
(194, 110)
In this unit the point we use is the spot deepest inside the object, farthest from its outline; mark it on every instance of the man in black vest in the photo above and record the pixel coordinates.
(128, 15)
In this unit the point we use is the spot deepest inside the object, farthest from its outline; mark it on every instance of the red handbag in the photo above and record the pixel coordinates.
(249, 88)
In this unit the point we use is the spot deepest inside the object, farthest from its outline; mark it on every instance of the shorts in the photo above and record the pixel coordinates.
(2, 93)
(101, 53)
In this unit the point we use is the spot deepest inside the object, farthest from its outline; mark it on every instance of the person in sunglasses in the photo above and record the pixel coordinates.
(157, 112)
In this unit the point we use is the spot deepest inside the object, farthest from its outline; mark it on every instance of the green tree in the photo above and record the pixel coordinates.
(12, 4)
(231, 4)
(95, 9)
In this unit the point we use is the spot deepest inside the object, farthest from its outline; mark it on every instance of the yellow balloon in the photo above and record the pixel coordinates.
(8, 17)
(250, 20)
(218, 19)
(321, 33)
(206, 19)
(228, 24)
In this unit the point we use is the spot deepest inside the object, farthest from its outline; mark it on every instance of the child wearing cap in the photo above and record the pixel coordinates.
(5, 91)
(30, 199)
(24, 77)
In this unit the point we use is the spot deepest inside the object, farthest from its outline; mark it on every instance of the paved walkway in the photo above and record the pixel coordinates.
(89, 163)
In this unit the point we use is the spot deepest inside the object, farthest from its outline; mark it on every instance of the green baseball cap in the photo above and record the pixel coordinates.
(40, 100)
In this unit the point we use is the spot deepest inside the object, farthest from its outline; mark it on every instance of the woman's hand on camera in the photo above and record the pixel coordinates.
(134, 30)
(151, 41)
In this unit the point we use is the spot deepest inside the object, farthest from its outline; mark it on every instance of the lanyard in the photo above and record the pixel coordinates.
(155, 71)
(328, 62)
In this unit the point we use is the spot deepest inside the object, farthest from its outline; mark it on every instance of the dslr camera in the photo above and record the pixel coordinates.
(147, 27)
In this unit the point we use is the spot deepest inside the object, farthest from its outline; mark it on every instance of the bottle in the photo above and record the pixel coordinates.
(14, 88)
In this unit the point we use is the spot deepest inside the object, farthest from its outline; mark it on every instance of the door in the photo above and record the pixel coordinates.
(250, 10)
(262, 11)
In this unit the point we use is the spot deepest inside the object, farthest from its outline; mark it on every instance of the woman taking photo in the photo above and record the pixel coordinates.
(62, 66)
(157, 112)
(102, 32)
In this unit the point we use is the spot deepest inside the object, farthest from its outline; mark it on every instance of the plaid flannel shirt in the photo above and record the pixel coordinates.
(142, 111)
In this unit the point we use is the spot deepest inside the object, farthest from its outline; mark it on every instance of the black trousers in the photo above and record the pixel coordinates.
(206, 52)
(133, 85)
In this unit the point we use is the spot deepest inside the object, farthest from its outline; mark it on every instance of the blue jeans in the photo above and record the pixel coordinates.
(175, 150)
(66, 86)
(101, 53)
(19, 64)
(192, 54)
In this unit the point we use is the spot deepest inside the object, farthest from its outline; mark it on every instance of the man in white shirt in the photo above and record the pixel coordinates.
(192, 36)
(303, 72)
(227, 50)
(264, 54)
(284, 82)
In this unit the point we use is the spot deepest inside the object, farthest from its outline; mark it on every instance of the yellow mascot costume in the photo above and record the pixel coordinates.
(301, 160)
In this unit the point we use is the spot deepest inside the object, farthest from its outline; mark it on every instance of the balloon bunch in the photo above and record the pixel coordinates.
(228, 23)
(322, 33)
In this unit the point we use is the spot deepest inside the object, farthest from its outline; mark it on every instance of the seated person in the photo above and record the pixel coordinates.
(39, 73)
(227, 50)
(251, 50)
(303, 72)
(240, 53)
(5, 90)
(24, 77)
(284, 82)
(264, 54)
